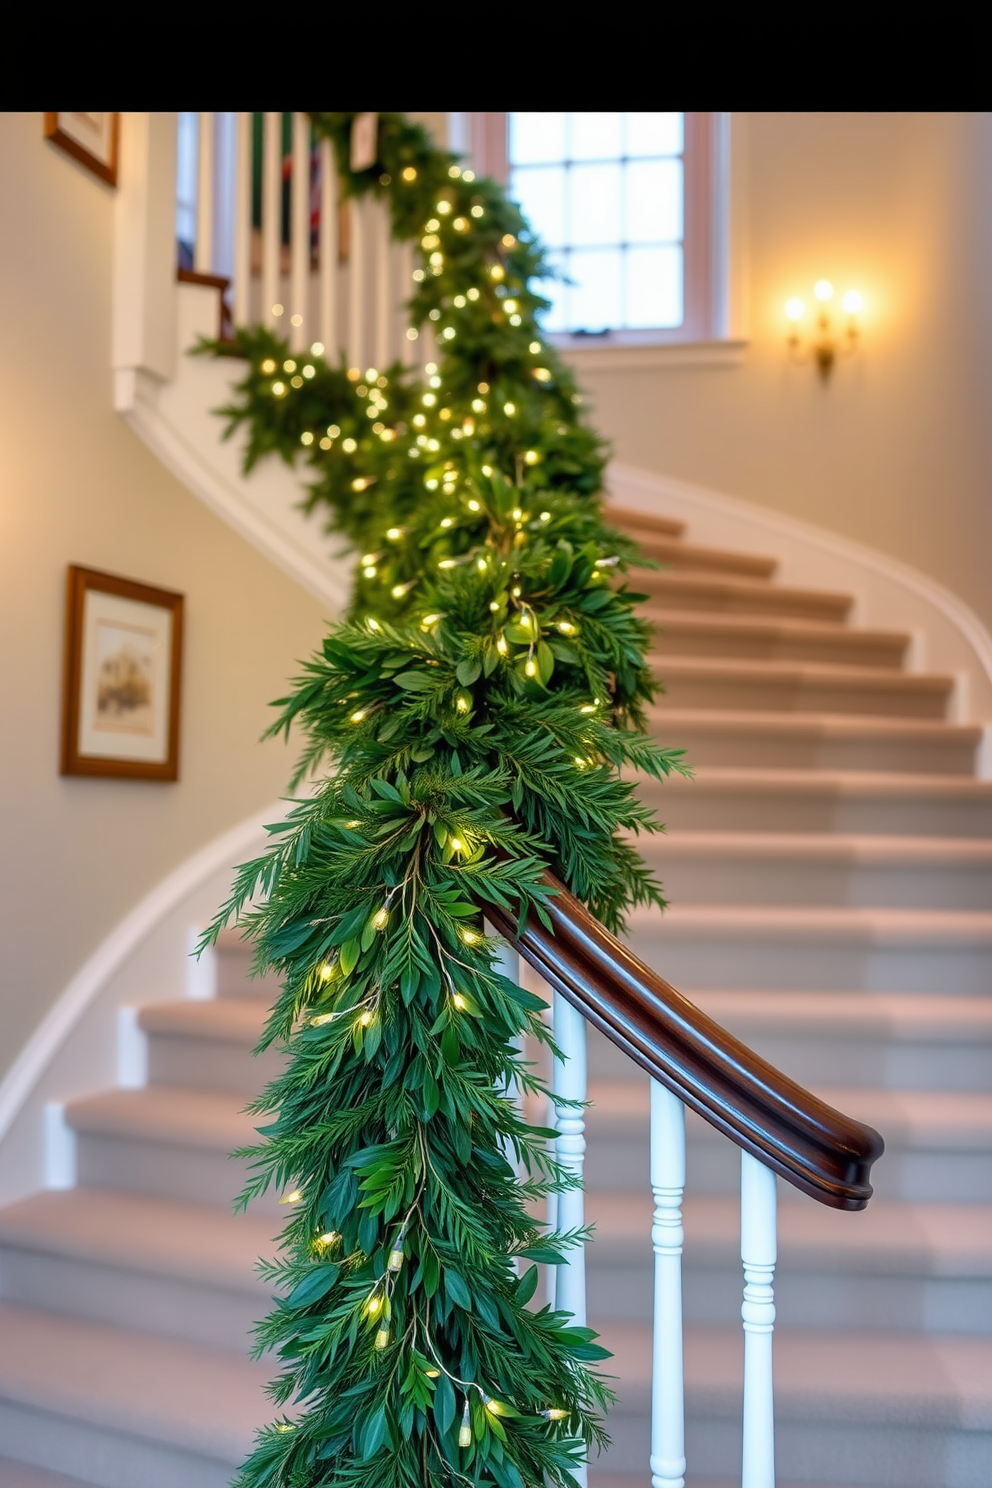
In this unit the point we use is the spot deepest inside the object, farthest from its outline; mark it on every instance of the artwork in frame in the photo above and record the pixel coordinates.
(123, 667)
(92, 139)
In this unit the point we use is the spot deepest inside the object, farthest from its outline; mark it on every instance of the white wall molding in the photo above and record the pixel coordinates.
(76, 1048)
(176, 419)
(947, 635)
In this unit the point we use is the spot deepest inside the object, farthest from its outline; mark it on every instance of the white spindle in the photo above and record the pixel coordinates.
(242, 220)
(225, 174)
(299, 236)
(356, 282)
(667, 1393)
(203, 249)
(758, 1253)
(328, 251)
(383, 288)
(569, 1083)
(271, 216)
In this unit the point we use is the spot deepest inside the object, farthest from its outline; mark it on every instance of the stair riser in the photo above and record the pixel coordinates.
(842, 648)
(189, 1174)
(678, 591)
(234, 979)
(98, 1455)
(772, 749)
(813, 962)
(946, 1175)
(683, 556)
(803, 1298)
(207, 1064)
(849, 1452)
(208, 1314)
(696, 809)
(786, 696)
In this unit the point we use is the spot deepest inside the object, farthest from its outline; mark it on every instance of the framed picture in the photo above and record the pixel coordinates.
(123, 664)
(89, 138)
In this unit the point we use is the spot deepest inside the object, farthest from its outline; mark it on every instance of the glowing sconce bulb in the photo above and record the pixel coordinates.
(853, 302)
(465, 1429)
(794, 308)
(823, 290)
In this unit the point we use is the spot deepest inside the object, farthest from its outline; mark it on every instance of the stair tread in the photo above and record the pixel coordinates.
(904, 1378)
(668, 719)
(858, 922)
(675, 550)
(888, 1238)
(868, 847)
(624, 517)
(773, 626)
(194, 1118)
(894, 1016)
(187, 1396)
(929, 1119)
(113, 1228)
(810, 673)
(845, 783)
(718, 583)
(237, 1020)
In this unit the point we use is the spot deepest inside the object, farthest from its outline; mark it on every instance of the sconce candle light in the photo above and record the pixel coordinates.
(826, 343)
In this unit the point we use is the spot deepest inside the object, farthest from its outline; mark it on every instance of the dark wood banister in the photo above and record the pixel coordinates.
(817, 1149)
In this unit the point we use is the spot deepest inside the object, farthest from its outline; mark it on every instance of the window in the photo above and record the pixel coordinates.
(622, 203)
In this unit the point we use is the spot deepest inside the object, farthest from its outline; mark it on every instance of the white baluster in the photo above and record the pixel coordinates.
(383, 308)
(242, 221)
(203, 249)
(758, 1253)
(225, 173)
(328, 251)
(271, 216)
(569, 1083)
(356, 282)
(667, 1184)
(299, 236)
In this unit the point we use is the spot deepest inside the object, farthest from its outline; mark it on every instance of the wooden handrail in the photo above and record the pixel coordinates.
(817, 1149)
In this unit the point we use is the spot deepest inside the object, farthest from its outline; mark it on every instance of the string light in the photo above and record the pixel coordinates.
(358, 715)
(471, 937)
(380, 919)
(292, 1198)
(317, 349)
(465, 1429)
(268, 366)
(555, 1413)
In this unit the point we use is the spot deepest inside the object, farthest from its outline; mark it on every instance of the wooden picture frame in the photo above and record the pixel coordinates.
(122, 678)
(92, 139)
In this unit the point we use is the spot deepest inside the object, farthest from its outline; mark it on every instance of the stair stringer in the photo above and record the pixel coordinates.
(948, 637)
(77, 1049)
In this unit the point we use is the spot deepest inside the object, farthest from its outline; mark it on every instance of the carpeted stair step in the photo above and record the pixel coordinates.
(208, 1045)
(729, 594)
(782, 947)
(121, 1408)
(795, 686)
(181, 1270)
(753, 799)
(694, 633)
(795, 868)
(832, 741)
(898, 1267)
(164, 1142)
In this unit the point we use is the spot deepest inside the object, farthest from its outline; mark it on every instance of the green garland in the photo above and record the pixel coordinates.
(476, 714)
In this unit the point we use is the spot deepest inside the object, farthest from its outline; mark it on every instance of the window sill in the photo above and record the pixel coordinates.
(603, 355)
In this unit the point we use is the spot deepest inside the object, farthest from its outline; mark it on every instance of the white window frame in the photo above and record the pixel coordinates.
(714, 329)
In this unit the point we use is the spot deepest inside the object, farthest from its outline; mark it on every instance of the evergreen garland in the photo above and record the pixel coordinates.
(474, 715)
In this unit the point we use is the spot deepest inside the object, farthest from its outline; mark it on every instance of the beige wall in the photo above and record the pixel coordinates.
(895, 451)
(76, 486)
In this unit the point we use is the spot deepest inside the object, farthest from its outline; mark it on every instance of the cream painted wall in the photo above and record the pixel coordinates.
(895, 451)
(76, 486)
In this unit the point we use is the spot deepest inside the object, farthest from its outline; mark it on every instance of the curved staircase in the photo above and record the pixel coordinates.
(830, 872)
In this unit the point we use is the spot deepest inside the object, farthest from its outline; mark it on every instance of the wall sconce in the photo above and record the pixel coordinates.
(826, 343)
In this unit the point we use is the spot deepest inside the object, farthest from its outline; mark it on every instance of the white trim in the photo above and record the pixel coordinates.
(948, 636)
(74, 1049)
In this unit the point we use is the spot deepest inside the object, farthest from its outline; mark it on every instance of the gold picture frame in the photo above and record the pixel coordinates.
(92, 139)
(122, 678)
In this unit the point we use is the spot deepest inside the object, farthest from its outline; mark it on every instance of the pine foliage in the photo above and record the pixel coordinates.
(475, 721)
